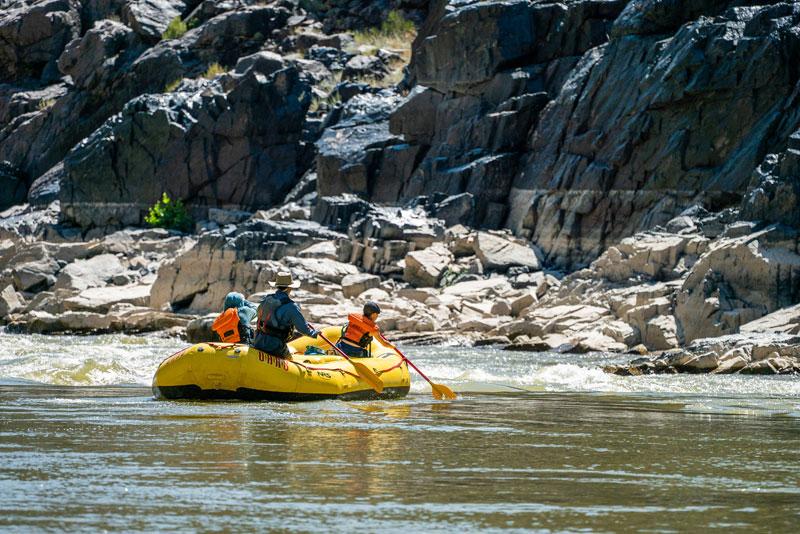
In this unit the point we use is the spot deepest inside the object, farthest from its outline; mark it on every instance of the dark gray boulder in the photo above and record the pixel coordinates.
(96, 10)
(237, 150)
(45, 188)
(150, 18)
(17, 101)
(110, 65)
(13, 185)
(365, 66)
(352, 154)
(333, 58)
(774, 192)
(32, 36)
(264, 62)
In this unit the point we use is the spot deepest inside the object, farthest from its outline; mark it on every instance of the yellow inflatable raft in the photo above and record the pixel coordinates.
(234, 371)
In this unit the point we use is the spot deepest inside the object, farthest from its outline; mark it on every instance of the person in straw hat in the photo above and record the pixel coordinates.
(277, 318)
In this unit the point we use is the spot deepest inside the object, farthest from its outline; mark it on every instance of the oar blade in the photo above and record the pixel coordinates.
(368, 376)
(440, 391)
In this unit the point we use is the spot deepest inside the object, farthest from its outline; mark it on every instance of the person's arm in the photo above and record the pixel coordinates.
(377, 331)
(381, 340)
(247, 314)
(299, 322)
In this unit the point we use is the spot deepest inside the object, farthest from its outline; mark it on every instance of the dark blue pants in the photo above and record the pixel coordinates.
(353, 352)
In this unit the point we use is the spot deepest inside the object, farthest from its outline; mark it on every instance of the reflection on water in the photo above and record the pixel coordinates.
(111, 458)
(535, 443)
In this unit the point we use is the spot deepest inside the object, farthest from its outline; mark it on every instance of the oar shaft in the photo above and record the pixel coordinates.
(439, 391)
(337, 349)
(363, 371)
(406, 359)
(409, 362)
(328, 341)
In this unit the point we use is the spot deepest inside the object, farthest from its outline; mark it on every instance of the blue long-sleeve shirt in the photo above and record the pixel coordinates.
(288, 314)
(291, 314)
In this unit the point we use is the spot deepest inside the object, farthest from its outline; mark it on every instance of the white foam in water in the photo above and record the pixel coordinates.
(572, 377)
(123, 359)
(85, 360)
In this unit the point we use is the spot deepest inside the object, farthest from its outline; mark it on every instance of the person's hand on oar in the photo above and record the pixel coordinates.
(439, 391)
(366, 374)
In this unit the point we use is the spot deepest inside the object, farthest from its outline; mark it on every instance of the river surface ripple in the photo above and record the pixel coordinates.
(536, 442)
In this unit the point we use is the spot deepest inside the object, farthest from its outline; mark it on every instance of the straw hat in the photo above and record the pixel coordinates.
(284, 280)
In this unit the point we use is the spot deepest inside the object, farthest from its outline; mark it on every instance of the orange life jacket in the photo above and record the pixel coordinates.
(358, 330)
(227, 326)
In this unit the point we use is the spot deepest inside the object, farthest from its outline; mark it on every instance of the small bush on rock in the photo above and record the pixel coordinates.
(170, 215)
(44, 104)
(395, 32)
(214, 69)
(175, 30)
(171, 86)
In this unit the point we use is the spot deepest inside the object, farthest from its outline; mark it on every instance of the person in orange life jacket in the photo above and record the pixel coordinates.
(278, 317)
(246, 311)
(356, 334)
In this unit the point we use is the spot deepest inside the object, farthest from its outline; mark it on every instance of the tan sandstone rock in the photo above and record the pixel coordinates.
(424, 268)
(785, 320)
(498, 254)
(355, 284)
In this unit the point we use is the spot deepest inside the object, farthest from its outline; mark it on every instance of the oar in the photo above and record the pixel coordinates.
(439, 390)
(363, 371)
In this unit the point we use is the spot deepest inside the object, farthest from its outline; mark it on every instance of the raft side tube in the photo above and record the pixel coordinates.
(235, 371)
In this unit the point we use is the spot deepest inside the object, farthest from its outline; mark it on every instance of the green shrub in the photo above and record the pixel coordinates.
(175, 30)
(170, 215)
(44, 104)
(395, 32)
(214, 69)
(171, 86)
(396, 25)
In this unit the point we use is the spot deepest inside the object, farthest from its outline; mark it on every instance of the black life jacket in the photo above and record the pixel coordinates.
(267, 323)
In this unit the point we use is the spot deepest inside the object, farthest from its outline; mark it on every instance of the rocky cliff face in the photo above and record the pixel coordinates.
(67, 67)
(576, 124)
(237, 148)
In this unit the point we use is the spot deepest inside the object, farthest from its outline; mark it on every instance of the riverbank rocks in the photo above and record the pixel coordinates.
(94, 272)
(424, 268)
(786, 321)
(498, 254)
(743, 354)
(123, 318)
(737, 281)
(101, 299)
(354, 285)
(244, 258)
(10, 301)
